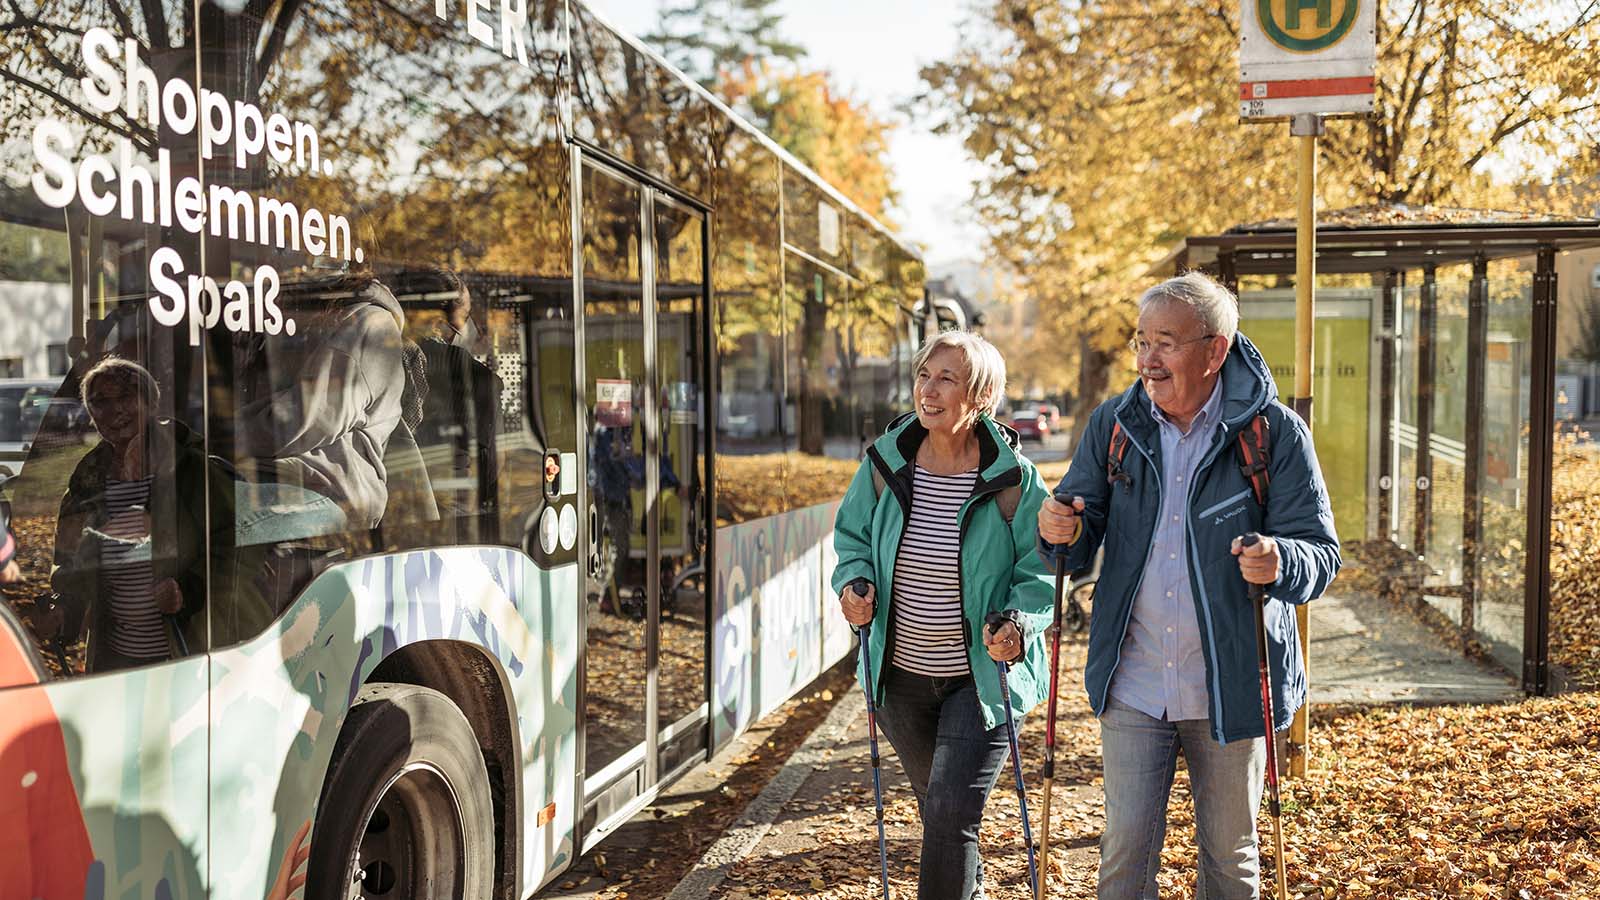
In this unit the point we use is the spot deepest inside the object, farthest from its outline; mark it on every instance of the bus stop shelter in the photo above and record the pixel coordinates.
(1436, 400)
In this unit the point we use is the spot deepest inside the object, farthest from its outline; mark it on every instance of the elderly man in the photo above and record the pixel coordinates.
(1172, 660)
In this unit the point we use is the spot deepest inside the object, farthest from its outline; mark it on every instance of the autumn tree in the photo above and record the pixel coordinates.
(707, 38)
(1110, 130)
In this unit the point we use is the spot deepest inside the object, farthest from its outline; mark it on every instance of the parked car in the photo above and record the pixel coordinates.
(25, 405)
(1035, 420)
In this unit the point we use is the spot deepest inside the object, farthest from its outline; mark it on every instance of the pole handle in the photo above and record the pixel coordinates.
(1258, 592)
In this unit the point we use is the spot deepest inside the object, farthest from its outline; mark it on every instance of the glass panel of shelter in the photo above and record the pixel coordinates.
(1479, 589)
(1502, 555)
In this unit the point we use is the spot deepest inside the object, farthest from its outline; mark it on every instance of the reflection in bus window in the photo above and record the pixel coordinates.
(330, 412)
(131, 589)
(748, 328)
(461, 417)
(110, 554)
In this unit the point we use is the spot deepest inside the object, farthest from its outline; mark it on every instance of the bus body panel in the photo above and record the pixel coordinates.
(280, 700)
(772, 628)
(134, 748)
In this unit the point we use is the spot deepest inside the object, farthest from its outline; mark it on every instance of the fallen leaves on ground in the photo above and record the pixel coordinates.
(1401, 802)
(1575, 560)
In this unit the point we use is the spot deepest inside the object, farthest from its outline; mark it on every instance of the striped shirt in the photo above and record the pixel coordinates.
(929, 637)
(137, 629)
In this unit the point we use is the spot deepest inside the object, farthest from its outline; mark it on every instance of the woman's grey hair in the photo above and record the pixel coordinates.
(1215, 306)
(986, 368)
(124, 370)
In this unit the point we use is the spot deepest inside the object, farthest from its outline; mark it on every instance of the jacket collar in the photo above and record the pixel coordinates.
(998, 463)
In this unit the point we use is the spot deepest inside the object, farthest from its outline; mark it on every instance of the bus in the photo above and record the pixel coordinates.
(435, 416)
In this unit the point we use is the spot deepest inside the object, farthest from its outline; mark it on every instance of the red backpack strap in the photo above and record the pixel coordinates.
(1115, 454)
(1255, 441)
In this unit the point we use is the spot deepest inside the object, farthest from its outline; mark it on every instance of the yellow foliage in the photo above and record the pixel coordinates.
(839, 137)
(1110, 129)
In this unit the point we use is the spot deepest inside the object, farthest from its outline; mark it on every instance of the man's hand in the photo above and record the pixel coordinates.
(167, 597)
(1258, 563)
(857, 609)
(1004, 643)
(1061, 523)
(11, 572)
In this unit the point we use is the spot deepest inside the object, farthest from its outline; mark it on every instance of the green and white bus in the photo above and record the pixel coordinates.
(434, 416)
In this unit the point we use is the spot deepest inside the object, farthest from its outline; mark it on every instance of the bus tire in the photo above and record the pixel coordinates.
(405, 806)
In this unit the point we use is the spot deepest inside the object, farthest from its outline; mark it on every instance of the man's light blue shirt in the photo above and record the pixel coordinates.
(1162, 672)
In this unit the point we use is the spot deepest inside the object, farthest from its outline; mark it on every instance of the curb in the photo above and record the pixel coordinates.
(756, 820)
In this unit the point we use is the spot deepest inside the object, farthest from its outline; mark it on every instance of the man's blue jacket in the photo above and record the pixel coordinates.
(1222, 506)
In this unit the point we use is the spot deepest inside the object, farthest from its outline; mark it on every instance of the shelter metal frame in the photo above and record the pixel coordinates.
(1388, 252)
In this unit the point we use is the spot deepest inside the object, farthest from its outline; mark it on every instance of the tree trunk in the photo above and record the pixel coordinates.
(1094, 371)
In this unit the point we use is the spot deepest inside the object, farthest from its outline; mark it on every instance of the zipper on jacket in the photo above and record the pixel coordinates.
(1205, 598)
(892, 485)
(1105, 692)
(961, 578)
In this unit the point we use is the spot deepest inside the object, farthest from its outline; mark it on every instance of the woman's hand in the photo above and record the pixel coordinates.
(857, 609)
(167, 597)
(1004, 643)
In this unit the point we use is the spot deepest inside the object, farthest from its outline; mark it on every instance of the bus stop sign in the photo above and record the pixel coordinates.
(1306, 56)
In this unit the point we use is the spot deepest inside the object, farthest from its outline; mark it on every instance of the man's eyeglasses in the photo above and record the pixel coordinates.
(1164, 346)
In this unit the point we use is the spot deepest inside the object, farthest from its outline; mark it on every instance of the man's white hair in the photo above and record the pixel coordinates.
(1211, 301)
(986, 368)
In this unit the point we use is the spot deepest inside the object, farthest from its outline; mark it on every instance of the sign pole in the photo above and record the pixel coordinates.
(1304, 128)
(1301, 61)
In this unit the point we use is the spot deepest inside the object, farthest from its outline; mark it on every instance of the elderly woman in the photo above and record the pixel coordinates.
(940, 520)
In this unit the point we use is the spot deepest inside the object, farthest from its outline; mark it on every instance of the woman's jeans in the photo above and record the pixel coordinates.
(1140, 758)
(936, 728)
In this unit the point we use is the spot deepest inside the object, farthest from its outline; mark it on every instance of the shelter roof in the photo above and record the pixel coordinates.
(1376, 238)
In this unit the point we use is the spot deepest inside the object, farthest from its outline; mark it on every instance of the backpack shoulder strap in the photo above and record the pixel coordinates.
(1115, 454)
(878, 483)
(1008, 500)
(1255, 456)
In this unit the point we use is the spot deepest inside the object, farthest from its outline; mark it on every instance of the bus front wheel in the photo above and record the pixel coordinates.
(405, 811)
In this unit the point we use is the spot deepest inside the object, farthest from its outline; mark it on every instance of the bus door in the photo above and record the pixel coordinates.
(644, 685)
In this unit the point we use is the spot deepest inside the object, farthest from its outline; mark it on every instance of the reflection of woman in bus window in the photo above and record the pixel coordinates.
(136, 582)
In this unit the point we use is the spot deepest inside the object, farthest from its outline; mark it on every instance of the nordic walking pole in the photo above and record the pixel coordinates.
(995, 620)
(1050, 727)
(1050, 714)
(1258, 598)
(860, 586)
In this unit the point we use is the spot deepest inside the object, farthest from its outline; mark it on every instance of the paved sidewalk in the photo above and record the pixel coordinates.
(1365, 650)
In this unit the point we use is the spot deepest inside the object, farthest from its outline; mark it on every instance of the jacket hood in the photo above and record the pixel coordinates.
(997, 445)
(1247, 387)
(380, 296)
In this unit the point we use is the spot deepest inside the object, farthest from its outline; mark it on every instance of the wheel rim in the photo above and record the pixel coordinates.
(411, 841)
